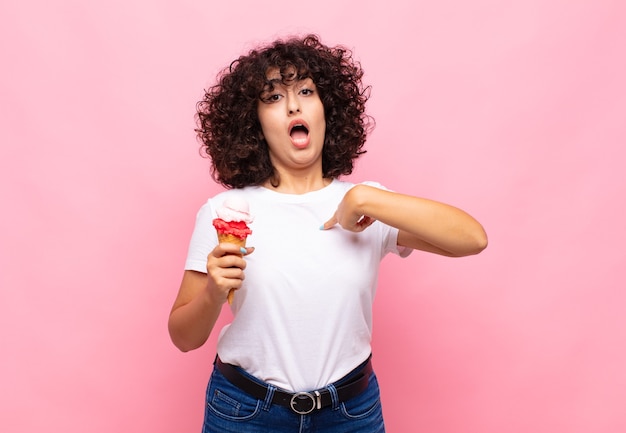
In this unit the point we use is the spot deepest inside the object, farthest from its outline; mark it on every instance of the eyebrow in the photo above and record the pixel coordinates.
(271, 84)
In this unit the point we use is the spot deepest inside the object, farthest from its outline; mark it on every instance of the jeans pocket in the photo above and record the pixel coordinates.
(366, 404)
(227, 401)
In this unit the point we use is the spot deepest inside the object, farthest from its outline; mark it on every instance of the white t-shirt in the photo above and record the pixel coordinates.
(303, 317)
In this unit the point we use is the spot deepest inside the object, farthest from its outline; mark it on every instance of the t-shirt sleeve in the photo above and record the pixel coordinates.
(390, 234)
(391, 244)
(203, 239)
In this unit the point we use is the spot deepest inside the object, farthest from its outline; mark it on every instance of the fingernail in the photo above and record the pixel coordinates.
(243, 250)
(322, 227)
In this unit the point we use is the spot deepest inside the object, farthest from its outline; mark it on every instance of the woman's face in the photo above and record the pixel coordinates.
(293, 124)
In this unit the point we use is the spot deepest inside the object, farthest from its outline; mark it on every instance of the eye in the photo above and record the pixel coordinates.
(307, 92)
(271, 97)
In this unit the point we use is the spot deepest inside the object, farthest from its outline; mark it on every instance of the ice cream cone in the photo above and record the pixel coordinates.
(231, 239)
(231, 225)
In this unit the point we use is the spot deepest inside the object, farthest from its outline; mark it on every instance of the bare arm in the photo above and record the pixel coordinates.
(423, 224)
(201, 297)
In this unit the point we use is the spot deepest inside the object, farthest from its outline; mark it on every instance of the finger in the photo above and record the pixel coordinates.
(365, 221)
(232, 261)
(330, 223)
(247, 250)
(233, 273)
(224, 283)
(226, 248)
(359, 225)
(218, 266)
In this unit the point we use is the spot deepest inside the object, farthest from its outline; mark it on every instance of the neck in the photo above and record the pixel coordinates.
(293, 184)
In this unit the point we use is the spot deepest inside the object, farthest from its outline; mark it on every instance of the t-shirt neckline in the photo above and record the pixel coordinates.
(318, 194)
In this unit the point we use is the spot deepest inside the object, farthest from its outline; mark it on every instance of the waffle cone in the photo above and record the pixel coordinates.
(231, 239)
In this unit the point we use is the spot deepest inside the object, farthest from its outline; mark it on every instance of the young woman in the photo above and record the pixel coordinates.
(282, 124)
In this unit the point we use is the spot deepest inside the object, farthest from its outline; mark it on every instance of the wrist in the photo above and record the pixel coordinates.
(213, 296)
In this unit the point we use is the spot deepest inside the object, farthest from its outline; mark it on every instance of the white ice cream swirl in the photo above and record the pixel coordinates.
(235, 209)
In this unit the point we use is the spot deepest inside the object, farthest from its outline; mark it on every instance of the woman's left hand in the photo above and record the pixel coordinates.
(348, 214)
(422, 224)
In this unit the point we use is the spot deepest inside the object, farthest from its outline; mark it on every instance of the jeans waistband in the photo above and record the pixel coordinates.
(302, 403)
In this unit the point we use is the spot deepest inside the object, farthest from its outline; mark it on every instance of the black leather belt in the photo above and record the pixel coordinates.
(301, 403)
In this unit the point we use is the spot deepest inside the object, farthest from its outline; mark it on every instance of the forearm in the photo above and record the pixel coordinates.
(193, 316)
(445, 227)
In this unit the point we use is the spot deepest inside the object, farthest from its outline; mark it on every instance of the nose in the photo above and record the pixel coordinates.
(293, 105)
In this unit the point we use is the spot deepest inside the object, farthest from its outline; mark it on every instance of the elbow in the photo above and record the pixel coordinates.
(180, 344)
(478, 243)
(183, 348)
(481, 244)
(183, 344)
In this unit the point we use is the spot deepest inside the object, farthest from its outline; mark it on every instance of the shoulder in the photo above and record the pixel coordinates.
(372, 183)
(341, 185)
(247, 193)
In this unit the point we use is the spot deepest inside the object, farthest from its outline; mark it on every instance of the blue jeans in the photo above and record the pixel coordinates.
(231, 410)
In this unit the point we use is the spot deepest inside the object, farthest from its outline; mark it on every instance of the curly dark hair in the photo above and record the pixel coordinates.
(227, 119)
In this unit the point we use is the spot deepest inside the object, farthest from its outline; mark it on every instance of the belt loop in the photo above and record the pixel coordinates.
(333, 396)
(267, 403)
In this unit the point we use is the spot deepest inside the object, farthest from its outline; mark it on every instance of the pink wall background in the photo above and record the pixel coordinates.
(514, 111)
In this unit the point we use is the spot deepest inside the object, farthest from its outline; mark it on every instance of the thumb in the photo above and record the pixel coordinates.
(330, 223)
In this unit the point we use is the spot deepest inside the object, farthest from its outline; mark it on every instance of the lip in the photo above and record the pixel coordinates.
(296, 122)
(300, 144)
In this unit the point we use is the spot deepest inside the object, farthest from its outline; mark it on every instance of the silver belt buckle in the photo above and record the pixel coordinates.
(305, 396)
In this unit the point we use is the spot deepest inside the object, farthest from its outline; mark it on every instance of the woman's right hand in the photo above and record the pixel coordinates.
(225, 270)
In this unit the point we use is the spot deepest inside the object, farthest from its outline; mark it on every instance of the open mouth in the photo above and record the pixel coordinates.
(299, 134)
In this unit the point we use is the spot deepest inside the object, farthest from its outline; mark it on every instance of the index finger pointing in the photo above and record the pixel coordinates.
(330, 223)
